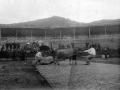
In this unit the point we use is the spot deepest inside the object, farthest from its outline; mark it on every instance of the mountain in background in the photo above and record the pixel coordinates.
(56, 22)
(105, 22)
(52, 22)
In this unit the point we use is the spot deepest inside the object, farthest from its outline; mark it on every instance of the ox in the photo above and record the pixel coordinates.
(62, 54)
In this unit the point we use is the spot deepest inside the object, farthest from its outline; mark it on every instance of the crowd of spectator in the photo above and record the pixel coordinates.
(97, 46)
(12, 45)
(101, 50)
(106, 50)
(12, 50)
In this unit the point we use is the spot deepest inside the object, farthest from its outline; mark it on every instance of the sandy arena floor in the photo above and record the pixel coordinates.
(96, 76)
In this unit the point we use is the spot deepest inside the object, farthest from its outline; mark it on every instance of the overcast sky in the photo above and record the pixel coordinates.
(14, 11)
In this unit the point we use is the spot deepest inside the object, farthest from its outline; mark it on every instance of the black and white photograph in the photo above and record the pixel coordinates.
(59, 44)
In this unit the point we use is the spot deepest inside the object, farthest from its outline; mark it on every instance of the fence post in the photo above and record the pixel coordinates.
(89, 32)
(0, 36)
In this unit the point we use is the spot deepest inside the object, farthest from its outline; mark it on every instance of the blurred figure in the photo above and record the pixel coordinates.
(22, 54)
(92, 54)
(105, 52)
(13, 45)
(10, 46)
(68, 46)
(73, 45)
(7, 45)
(87, 45)
(38, 57)
(18, 45)
(2, 54)
(14, 54)
(3, 48)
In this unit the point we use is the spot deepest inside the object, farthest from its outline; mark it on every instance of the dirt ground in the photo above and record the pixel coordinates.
(102, 60)
(96, 76)
(21, 75)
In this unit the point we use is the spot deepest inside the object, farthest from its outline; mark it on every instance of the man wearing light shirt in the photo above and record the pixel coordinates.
(38, 57)
(92, 54)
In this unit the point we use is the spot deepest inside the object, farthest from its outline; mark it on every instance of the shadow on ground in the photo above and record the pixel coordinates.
(21, 75)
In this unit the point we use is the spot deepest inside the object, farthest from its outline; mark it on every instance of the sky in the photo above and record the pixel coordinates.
(15, 11)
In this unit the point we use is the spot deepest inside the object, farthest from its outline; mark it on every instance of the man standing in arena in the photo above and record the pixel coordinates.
(22, 54)
(92, 54)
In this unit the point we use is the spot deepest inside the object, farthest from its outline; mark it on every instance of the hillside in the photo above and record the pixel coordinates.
(105, 22)
(51, 22)
(57, 22)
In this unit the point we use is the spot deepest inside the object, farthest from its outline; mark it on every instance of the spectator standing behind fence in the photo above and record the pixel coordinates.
(14, 45)
(60, 46)
(3, 48)
(68, 46)
(14, 54)
(10, 44)
(87, 45)
(22, 54)
(119, 51)
(7, 45)
(72, 44)
(105, 52)
(2, 51)
(18, 45)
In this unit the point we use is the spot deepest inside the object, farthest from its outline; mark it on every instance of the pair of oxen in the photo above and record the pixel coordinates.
(62, 54)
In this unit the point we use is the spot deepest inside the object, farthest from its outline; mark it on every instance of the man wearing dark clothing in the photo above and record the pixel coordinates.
(2, 52)
(87, 45)
(10, 44)
(7, 45)
(3, 47)
(106, 52)
(73, 45)
(14, 45)
(99, 47)
(119, 51)
(14, 54)
(59, 46)
(74, 58)
(22, 55)
(18, 45)
(68, 46)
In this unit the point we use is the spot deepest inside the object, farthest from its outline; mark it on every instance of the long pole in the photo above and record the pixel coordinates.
(31, 35)
(60, 34)
(45, 34)
(74, 33)
(0, 35)
(16, 34)
(105, 31)
(89, 32)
